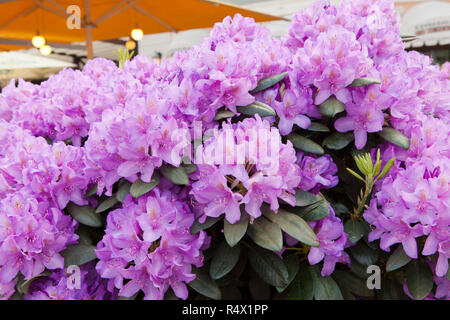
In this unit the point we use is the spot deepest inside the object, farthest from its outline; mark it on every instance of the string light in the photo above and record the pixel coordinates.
(130, 45)
(45, 50)
(38, 41)
(137, 34)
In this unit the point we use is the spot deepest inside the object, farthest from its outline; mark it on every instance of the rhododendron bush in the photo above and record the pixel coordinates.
(247, 167)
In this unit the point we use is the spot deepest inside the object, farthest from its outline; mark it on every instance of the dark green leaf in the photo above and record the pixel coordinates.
(257, 107)
(107, 204)
(223, 114)
(360, 82)
(351, 282)
(85, 215)
(419, 279)
(318, 127)
(204, 285)
(338, 140)
(395, 137)
(197, 226)
(25, 285)
(331, 107)
(363, 254)
(305, 198)
(123, 191)
(305, 144)
(325, 288)
(234, 232)
(269, 266)
(224, 260)
(397, 259)
(354, 229)
(91, 191)
(266, 234)
(268, 82)
(139, 187)
(294, 226)
(259, 289)
(78, 254)
(175, 175)
(302, 287)
(292, 263)
(315, 211)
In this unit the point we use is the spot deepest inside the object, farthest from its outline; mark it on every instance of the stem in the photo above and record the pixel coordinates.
(367, 192)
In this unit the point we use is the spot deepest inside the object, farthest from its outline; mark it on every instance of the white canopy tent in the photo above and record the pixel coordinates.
(14, 65)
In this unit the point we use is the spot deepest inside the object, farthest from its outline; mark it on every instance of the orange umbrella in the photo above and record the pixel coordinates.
(110, 19)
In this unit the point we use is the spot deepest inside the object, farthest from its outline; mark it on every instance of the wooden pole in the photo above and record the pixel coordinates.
(89, 38)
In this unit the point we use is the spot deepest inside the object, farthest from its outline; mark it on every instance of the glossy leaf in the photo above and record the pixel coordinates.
(266, 234)
(305, 144)
(305, 198)
(331, 107)
(234, 232)
(257, 107)
(318, 127)
(78, 254)
(204, 285)
(303, 285)
(395, 137)
(139, 187)
(224, 260)
(176, 175)
(354, 284)
(354, 229)
(269, 266)
(107, 204)
(419, 279)
(338, 140)
(360, 82)
(123, 191)
(315, 211)
(292, 263)
(325, 288)
(268, 82)
(85, 215)
(209, 222)
(397, 259)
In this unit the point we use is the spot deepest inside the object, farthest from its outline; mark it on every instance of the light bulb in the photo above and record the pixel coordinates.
(137, 34)
(38, 41)
(130, 45)
(45, 50)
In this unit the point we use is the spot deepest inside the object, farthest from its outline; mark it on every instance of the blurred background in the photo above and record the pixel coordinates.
(40, 37)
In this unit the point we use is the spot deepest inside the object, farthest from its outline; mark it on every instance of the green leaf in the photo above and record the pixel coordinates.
(386, 168)
(25, 285)
(209, 222)
(395, 137)
(354, 229)
(294, 226)
(397, 259)
(204, 285)
(189, 168)
(360, 82)
(419, 279)
(292, 263)
(269, 266)
(257, 107)
(91, 191)
(234, 232)
(123, 191)
(305, 198)
(331, 107)
(363, 254)
(224, 260)
(268, 82)
(175, 175)
(259, 289)
(85, 215)
(78, 254)
(352, 283)
(303, 285)
(107, 204)
(325, 288)
(338, 140)
(318, 127)
(353, 173)
(315, 211)
(305, 144)
(139, 187)
(266, 234)
(223, 114)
